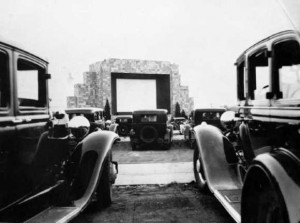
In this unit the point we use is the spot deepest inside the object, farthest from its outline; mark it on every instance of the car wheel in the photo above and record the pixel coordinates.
(198, 172)
(104, 190)
(262, 200)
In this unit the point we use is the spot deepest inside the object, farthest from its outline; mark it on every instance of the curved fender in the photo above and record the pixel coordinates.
(219, 174)
(283, 170)
(101, 142)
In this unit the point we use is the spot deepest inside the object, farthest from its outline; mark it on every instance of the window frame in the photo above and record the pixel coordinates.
(25, 110)
(275, 71)
(251, 79)
(5, 110)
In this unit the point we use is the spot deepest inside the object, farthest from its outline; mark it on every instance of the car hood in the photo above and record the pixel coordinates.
(292, 10)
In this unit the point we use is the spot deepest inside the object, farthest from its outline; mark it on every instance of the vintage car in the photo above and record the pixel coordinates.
(50, 168)
(124, 124)
(177, 121)
(150, 129)
(253, 167)
(94, 115)
(209, 115)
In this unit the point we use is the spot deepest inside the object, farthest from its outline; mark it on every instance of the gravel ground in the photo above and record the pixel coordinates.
(158, 203)
(174, 202)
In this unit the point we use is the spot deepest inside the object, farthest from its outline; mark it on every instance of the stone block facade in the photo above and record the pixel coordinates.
(96, 87)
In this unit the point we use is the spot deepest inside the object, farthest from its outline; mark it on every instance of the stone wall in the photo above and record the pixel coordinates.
(96, 87)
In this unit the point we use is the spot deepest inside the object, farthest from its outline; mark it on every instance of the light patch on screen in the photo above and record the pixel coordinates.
(135, 94)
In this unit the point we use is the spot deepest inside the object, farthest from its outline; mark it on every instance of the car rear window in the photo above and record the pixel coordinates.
(148, 118)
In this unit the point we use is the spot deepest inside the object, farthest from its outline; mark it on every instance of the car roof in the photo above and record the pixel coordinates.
(124, 116)
(150, 111)
(241, 57)
(179, 118)
(209, 109)
(83, 110)
(14, 48)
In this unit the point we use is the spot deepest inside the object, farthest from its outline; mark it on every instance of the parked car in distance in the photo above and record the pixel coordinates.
(50, 168)
(94, 115)
(253, 168)
(177, 121)
(208, 115)
(124, 124)
(150, 128)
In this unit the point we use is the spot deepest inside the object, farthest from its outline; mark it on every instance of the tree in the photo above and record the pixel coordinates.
(183, 113)
(106, 112)
(177, 110)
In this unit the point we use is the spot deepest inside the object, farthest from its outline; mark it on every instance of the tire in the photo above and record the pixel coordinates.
(200, 178)
(148, 134)
(104, 190)
(262, 201)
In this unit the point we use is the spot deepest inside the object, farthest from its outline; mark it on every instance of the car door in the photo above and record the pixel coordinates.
(31, 107)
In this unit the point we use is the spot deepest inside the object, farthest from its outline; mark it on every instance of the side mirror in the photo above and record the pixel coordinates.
(228, 120)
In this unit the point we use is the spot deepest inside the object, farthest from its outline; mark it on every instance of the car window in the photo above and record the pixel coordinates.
(123, 120)
(96, 116)
(31, 84)
(259, 75)
(210, 115)
(148, 118)
(287, 65)
(4, 81)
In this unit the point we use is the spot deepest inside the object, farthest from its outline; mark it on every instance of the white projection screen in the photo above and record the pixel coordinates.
(135, 94)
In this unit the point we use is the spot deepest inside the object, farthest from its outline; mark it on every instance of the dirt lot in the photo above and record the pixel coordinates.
(158, 203)
(170, 202)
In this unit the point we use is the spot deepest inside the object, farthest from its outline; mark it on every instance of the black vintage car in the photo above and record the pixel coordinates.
(50, 168)
(253, 168)
(94, 115)
(208, 115)
(124, 124)
(177, 121)
(151, 128)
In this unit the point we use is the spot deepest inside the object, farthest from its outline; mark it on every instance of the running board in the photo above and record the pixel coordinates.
(55, 214)
(231, 201)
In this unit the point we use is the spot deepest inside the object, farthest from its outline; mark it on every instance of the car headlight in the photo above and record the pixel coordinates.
(79, 127)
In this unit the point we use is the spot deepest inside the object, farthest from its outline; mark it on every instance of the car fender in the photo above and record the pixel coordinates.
(283, 168)
(99, 143)
(220, 175)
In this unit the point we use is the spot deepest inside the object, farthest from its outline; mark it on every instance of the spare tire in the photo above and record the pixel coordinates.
(148, 134)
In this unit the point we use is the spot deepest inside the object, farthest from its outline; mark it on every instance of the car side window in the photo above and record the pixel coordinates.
(259, 70)
(4, 81)
(31, 84)
(287, 66)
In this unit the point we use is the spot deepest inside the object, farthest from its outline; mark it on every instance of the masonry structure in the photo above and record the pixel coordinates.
(97, 82)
